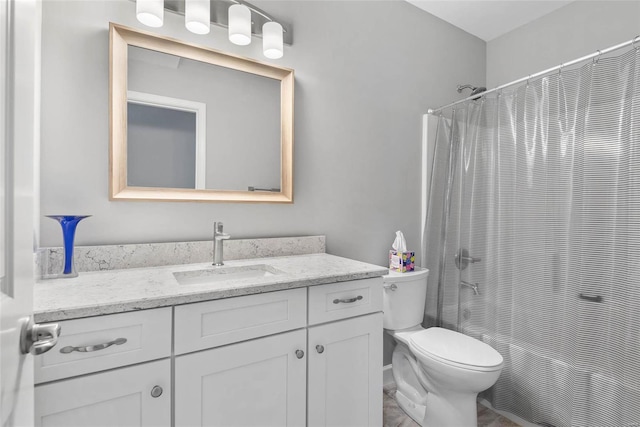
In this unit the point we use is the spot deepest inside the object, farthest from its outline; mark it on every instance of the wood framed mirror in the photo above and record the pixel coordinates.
(190, 123)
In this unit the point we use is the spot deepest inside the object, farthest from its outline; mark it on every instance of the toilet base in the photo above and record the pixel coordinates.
(433, 393)
(440, 412)
(414, 410)
(454, 410)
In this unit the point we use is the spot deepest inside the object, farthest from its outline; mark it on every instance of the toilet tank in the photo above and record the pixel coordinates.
(404, 298)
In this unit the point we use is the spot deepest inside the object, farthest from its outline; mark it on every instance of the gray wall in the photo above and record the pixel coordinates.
(573, 31)
(366, 72)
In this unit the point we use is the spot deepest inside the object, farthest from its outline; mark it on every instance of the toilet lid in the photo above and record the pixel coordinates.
(451, 346)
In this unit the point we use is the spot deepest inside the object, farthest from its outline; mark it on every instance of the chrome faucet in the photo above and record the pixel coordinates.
(472, 286)
(218, 237)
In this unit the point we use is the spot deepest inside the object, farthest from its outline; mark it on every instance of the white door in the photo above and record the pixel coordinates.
(345, 373)
(261, 382)
(19, 118)
(135, 396)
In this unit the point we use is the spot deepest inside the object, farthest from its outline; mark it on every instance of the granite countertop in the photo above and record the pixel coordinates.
(115, 291)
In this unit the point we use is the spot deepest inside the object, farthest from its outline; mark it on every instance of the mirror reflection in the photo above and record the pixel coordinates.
(196, 125)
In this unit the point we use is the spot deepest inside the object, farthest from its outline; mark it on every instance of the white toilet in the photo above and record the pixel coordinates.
(438, 372)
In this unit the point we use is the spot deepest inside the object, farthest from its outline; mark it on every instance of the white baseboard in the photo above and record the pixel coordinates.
(387, 376)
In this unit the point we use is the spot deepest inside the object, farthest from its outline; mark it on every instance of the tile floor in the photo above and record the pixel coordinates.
(395, 417)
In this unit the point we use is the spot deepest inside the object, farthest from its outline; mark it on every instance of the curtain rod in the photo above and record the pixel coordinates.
(598, 53)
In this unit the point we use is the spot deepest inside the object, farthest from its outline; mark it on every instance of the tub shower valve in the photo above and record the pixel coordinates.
(463, 259)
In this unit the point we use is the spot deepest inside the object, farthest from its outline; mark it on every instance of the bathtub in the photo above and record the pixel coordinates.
(537, 385)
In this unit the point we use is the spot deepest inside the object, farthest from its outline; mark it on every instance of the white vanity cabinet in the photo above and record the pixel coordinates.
(260, 382)
(82, 381)
(345, 374)
(133, 396)
(257, 380)
(321, 365)
(304, 356)
(345, 356)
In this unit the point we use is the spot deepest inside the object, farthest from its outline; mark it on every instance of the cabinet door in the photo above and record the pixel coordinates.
(261, 382)
(117, 398)
(345, 372)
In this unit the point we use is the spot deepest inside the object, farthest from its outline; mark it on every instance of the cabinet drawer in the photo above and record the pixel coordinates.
(344, 299)
(225, 321)
(147, 334)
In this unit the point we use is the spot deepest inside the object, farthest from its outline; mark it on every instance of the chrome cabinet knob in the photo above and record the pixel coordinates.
(320, 348)
(156, 391)
(299, 354)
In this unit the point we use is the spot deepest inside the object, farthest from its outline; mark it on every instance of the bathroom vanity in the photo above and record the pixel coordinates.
(276, 341)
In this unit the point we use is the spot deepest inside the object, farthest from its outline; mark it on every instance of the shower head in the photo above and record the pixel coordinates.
(474, 90)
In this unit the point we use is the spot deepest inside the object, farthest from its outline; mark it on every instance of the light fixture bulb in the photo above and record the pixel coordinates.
(150, 12)
(197, 15)
(272, 45)
(239, 24)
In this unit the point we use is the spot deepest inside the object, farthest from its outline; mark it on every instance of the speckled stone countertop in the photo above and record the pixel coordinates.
(105, 292)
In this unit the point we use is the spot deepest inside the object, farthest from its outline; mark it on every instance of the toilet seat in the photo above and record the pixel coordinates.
(455, 349)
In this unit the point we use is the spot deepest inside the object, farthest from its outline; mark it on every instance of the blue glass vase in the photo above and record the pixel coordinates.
(68, 224)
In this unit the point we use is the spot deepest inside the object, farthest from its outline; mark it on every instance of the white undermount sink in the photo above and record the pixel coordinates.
(224, 274)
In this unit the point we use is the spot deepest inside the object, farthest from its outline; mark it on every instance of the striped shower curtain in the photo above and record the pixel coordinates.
(540, 184)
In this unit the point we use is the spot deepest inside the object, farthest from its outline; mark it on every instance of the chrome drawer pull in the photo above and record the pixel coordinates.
(347, 301)
(90, 348)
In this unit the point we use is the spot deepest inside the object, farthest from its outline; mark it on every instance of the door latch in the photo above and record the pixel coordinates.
(38, 338)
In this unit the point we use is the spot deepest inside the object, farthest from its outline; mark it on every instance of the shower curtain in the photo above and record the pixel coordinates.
(535, 197)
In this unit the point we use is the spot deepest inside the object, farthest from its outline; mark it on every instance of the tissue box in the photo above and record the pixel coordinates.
(401, 261)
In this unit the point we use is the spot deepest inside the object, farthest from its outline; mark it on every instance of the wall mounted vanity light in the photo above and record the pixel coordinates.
(241, 18)
(272, 40)
(150, 12)
(239, 24)
(196, 16)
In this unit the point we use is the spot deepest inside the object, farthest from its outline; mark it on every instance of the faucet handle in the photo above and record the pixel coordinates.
(217, 232)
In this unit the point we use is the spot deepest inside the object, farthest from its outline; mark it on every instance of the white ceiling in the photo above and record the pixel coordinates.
(489, 19)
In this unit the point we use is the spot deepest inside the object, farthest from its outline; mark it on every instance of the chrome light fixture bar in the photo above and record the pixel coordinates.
(195, 12)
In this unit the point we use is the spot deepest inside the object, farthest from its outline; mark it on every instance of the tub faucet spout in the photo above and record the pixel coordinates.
(218, 238)
(472, 286)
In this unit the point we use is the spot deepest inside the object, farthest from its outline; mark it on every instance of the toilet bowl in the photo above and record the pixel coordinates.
(438, 372)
